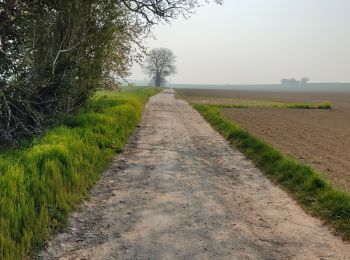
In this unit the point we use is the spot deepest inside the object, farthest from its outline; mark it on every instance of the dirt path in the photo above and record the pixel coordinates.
(180, 192)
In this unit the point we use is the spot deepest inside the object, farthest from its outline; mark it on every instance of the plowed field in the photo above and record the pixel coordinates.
(320, 138)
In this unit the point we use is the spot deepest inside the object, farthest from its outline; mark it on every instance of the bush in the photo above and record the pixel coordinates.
(41, 183)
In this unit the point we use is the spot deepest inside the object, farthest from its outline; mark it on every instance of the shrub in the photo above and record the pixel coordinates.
(42, 183)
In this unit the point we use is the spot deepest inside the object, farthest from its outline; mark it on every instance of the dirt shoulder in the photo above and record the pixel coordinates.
(179, 191)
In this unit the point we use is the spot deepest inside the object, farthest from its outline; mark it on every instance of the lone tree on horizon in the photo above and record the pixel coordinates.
(160, 63)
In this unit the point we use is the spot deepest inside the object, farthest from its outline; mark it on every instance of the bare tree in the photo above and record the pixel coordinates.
(160, 63)
(152, 11)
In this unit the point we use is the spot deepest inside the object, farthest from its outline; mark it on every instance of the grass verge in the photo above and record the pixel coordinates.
(276, 105)
(314, 193)
(41, 183)
(242, 103)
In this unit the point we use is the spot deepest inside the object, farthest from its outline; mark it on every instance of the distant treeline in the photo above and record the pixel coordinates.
(294, 82)
(309, 87)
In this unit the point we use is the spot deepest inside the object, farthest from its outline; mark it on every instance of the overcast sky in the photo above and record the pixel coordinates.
(259, 41)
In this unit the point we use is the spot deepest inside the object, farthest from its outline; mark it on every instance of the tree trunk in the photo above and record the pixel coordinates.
(158, 80)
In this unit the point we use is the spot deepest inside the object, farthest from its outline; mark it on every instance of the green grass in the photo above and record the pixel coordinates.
(40, 184)
(219, 101)
(276, 105)
(313, 192)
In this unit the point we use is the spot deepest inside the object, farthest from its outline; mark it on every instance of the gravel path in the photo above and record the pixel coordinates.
(179, 191)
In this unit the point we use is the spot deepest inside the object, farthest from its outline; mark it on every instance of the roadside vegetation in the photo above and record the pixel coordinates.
(276, 105)
(307, 186)
(55, 55)
(42, 181)
(230, 101)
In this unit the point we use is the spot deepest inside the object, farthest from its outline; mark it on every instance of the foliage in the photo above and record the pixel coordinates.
(42, 182)
(307, 186)
(55, 54)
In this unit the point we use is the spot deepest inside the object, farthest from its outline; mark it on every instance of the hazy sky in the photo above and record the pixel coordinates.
(259, 41)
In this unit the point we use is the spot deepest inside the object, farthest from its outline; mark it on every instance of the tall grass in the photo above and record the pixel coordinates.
(42, 183)
(314, 193)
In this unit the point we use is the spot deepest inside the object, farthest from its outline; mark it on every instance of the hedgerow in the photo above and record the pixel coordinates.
(40, 184)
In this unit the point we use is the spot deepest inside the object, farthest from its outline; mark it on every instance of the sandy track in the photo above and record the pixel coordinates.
(179, 191)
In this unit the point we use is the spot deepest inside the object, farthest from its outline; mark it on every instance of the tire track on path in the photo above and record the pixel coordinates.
(179, 191)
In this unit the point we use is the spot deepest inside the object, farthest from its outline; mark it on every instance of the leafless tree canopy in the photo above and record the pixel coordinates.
(152, 11)
(160, 63)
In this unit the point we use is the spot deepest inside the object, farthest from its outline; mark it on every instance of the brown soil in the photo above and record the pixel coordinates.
(337, 99)
(179, 191)
(320, 138)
